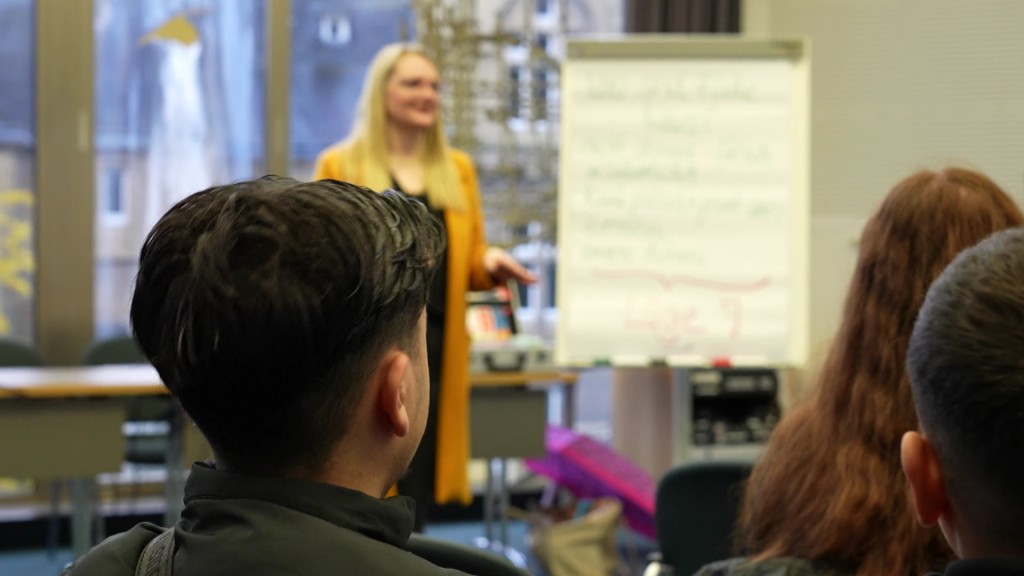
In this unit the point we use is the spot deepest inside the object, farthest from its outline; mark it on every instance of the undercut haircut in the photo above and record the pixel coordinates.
(266, 305)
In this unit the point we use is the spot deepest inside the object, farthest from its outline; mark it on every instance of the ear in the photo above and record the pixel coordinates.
(391, 386)
(924, 474)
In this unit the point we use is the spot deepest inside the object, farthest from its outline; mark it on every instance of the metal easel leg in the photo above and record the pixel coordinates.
(81, 516)
(489, 503)
(503, 503)
(682, 416)
(174, 488)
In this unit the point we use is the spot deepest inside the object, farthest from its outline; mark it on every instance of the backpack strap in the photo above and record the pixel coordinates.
(157, 557)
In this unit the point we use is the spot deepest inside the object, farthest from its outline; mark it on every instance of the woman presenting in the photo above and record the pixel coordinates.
(398, 142)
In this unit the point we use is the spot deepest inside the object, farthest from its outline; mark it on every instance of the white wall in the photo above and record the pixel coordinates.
(897, 85)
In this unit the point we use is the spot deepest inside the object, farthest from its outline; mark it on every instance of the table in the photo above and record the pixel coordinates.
(67, 423)
(74, 417)
(498, 398)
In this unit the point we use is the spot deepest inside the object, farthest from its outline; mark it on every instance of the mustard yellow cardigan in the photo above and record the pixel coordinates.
(466, 272)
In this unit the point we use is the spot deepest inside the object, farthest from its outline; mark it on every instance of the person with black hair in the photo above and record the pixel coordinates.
(289, 320)
(966, 369)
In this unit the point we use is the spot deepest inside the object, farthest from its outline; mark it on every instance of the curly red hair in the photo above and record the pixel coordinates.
(829, 487)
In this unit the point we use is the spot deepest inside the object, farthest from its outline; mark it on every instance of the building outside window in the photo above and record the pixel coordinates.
(179, 107)
(333, 42)
(17, 169)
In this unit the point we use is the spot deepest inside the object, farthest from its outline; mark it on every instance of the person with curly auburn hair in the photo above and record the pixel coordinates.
(828, 495)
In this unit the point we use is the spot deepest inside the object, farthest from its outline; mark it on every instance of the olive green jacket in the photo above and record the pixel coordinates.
(238, 524)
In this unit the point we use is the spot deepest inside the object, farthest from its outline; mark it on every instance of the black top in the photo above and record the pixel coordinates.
(439, 289)
(985, 567)
(241, 524)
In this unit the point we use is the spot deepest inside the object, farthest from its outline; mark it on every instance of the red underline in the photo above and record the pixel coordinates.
(670, 281)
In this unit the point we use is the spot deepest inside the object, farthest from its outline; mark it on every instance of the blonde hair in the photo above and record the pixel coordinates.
(368, 139)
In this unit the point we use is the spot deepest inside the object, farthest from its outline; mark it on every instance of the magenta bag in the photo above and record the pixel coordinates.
(591, 469)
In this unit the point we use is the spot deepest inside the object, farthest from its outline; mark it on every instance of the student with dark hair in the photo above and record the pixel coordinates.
(966, 366)
(289, 320)
(828, 495)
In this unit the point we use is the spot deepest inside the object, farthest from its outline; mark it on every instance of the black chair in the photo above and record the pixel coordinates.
(695, 513)
(462, 557)
(116, 350)
(14, 354)
(147, 429)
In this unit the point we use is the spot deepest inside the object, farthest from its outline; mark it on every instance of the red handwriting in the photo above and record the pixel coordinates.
(733, 307)
(669, 282)
(668, 323)
(674, 320)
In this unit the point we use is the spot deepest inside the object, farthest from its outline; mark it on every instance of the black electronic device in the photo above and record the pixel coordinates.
(734, 405)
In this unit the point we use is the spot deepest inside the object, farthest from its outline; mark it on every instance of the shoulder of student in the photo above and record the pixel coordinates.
(770, 567)
(117, 555)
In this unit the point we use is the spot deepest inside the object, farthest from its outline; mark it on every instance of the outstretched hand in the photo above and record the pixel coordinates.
(503, 267)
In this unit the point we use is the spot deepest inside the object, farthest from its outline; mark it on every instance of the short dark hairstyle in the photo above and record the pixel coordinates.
(966, 368)
(265, 305)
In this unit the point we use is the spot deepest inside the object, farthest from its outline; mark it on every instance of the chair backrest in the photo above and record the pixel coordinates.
(116, 350)
(695, 512)
(14, 353)
(146, 441)
(462, 557)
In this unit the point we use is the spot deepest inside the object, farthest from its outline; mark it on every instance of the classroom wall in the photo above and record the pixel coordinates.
(897, 85)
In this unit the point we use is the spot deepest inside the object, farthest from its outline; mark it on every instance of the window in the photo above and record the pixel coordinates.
(532, 80)
(179, 107)
(515, 88)
(335, 30)
(112, 204)
(333, 42)
(17, 168)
